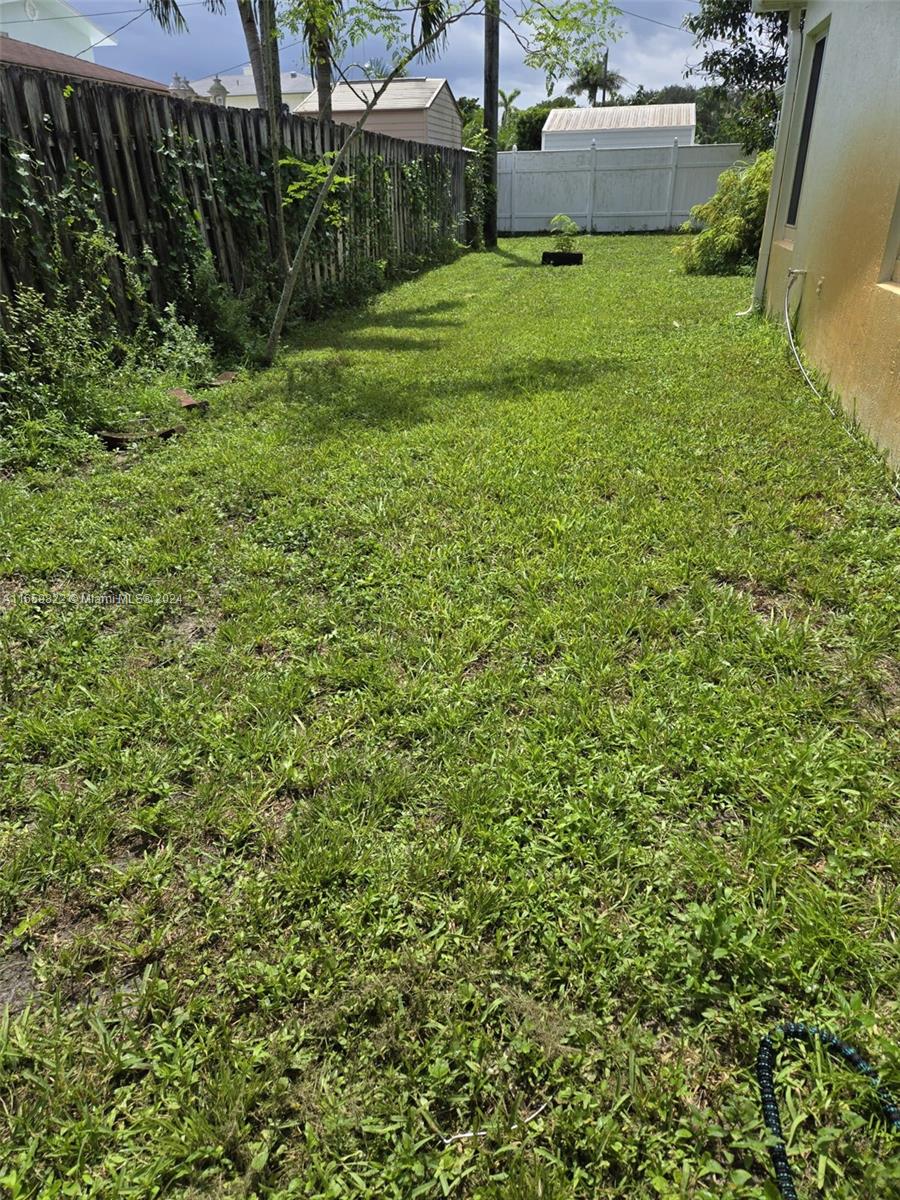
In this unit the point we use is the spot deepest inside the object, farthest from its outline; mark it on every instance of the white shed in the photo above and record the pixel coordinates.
(619, 127)
(419, 110)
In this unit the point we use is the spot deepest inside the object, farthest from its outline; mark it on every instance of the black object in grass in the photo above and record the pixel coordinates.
(562, 258)
(765, 1065)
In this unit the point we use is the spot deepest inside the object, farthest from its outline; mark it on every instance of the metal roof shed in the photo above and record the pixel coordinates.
(420, 110)
(619, 127)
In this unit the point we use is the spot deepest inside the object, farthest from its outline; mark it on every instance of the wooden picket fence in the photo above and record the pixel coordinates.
(128, 137)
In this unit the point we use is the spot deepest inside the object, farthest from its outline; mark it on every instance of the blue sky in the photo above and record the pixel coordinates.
(650, 51)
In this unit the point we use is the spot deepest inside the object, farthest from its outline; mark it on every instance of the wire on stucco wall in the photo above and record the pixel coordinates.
(837, 413)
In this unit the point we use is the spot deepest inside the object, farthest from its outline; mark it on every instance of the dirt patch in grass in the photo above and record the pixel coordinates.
(875, 695)
(272, 653)
(549, 1027)
(11, 589)
(477, 667)
(881, 698)
(18, 983)
(890, 672)
(190, 628)
(765, 602)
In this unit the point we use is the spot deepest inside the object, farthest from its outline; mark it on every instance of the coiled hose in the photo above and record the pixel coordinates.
(765, 1067)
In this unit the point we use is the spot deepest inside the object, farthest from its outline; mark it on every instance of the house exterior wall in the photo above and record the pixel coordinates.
(407, 123)
(290, 98)
(616, 139)
(846, 308)
(68, 34)
(443, 123)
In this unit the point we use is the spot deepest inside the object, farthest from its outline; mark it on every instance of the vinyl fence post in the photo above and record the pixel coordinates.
(512, 191)
(672, 173)
(593, 188)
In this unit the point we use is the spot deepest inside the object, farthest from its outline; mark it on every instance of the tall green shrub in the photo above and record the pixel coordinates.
(726, 231)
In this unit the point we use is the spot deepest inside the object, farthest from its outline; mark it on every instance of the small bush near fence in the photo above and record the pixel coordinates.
(139, 244)
(730, 223)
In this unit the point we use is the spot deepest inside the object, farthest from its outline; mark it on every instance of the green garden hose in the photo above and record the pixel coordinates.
(765, 1064)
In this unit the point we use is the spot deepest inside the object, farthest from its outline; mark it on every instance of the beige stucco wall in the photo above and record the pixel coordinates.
(848, 316)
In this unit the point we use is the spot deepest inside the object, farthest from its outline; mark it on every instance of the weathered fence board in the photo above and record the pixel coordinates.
(141, 145)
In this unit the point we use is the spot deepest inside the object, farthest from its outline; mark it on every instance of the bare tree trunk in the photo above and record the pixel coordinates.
(294, 273)
(491, 98)
(251, 37)
(272, 70)
(274, 60)
(321, 55)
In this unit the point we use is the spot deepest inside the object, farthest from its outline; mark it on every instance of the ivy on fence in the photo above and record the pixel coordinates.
(184, 193)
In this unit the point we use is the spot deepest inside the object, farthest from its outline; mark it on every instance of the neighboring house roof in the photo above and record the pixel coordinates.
(621, 116)
(39, 58)
(404, 93)
(46, 13)
(243, 85)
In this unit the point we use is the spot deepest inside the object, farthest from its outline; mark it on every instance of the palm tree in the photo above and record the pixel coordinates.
(167, 13)
(379, 68)
(319, 27)
(507, 100)
(594, 77)
(251, 37)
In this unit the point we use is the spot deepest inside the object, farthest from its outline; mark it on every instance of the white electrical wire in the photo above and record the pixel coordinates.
(838, 414)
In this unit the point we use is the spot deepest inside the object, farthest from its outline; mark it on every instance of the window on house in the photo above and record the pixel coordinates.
(815, 72)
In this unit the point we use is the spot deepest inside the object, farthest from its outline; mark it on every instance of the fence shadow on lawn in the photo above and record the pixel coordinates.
(321, 335)
(514, 261)
(338, 401)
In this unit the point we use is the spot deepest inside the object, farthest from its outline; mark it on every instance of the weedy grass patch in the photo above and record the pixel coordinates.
(505, 716)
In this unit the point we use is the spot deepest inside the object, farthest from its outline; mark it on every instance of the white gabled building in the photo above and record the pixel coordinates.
(238, 89)
(419, 110)
(619, 127)
(53, 24)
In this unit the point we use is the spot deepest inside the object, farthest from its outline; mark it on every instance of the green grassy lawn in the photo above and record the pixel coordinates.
(512, 723)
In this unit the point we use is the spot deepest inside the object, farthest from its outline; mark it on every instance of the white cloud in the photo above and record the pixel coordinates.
(647, 53)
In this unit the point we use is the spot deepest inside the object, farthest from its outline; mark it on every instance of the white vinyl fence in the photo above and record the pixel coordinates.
(607, 191)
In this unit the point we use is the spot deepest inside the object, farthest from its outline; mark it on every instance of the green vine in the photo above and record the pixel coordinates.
(84, 322)
(57, 242)
(476, 190)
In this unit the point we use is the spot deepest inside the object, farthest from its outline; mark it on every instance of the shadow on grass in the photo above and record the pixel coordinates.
(335, 400)
(367, 330)
(375, 340)
(514, 261)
